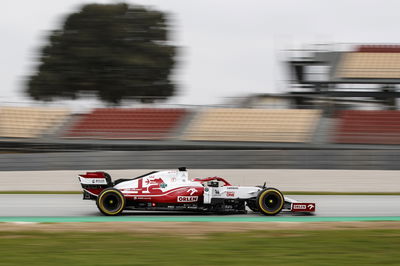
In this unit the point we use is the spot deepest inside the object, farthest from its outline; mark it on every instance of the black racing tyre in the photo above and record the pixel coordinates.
(111, 202)
(270, 201)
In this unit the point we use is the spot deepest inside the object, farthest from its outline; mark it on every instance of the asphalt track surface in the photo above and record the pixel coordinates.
(72, 205)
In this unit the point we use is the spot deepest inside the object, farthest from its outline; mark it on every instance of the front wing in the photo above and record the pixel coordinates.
(296, 206)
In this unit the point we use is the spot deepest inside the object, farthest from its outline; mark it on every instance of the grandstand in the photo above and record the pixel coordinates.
(126, 123)
(211, 124)
(371, 62)
(358, 75)
(229, 124)
(368, 127)
(30, 122)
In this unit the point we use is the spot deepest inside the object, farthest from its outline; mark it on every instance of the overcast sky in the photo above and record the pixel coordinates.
(229, 47)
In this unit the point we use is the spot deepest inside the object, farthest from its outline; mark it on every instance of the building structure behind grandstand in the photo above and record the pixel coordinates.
(340, 112)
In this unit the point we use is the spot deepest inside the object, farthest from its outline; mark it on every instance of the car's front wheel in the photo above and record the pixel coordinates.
(111, 202)
(270, 201)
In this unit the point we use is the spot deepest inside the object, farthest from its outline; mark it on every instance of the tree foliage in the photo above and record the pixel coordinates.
(115, 51)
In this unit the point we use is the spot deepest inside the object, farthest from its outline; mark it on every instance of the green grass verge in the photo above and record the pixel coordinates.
(339, 247)
(284, 192)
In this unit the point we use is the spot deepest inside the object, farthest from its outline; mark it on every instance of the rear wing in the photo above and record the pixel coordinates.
(93, 183)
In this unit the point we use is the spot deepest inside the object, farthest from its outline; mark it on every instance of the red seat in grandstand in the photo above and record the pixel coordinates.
(122, 123)
(368, 127)
(378, 49)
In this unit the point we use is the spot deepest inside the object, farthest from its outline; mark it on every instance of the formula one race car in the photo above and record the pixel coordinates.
(173, 190)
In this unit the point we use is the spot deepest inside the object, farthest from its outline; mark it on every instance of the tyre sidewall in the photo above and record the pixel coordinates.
(101, 197)
(260, 201)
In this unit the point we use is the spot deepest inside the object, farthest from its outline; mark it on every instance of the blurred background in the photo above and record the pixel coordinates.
(162, 84)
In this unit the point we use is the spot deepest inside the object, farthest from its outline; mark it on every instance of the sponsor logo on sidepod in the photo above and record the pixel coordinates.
(187, 198)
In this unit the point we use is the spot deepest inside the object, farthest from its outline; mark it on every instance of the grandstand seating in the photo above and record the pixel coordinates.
(368, 127)
(267, 125)
(124, 123)
(377, 65)
(29, 122)
(378, 49)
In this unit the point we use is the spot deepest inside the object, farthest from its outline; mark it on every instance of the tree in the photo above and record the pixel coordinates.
(115, 51)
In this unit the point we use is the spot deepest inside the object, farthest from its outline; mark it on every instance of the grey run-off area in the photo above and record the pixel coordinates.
(72, 205)
(283, 179)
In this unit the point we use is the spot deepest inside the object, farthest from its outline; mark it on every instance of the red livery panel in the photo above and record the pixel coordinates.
(177, 195)
(94, 175)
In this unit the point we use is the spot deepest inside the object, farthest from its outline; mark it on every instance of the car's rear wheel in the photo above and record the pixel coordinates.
(270, 201)
(111, 202)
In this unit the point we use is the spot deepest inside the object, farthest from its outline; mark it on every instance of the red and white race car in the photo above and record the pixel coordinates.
(173, 190)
